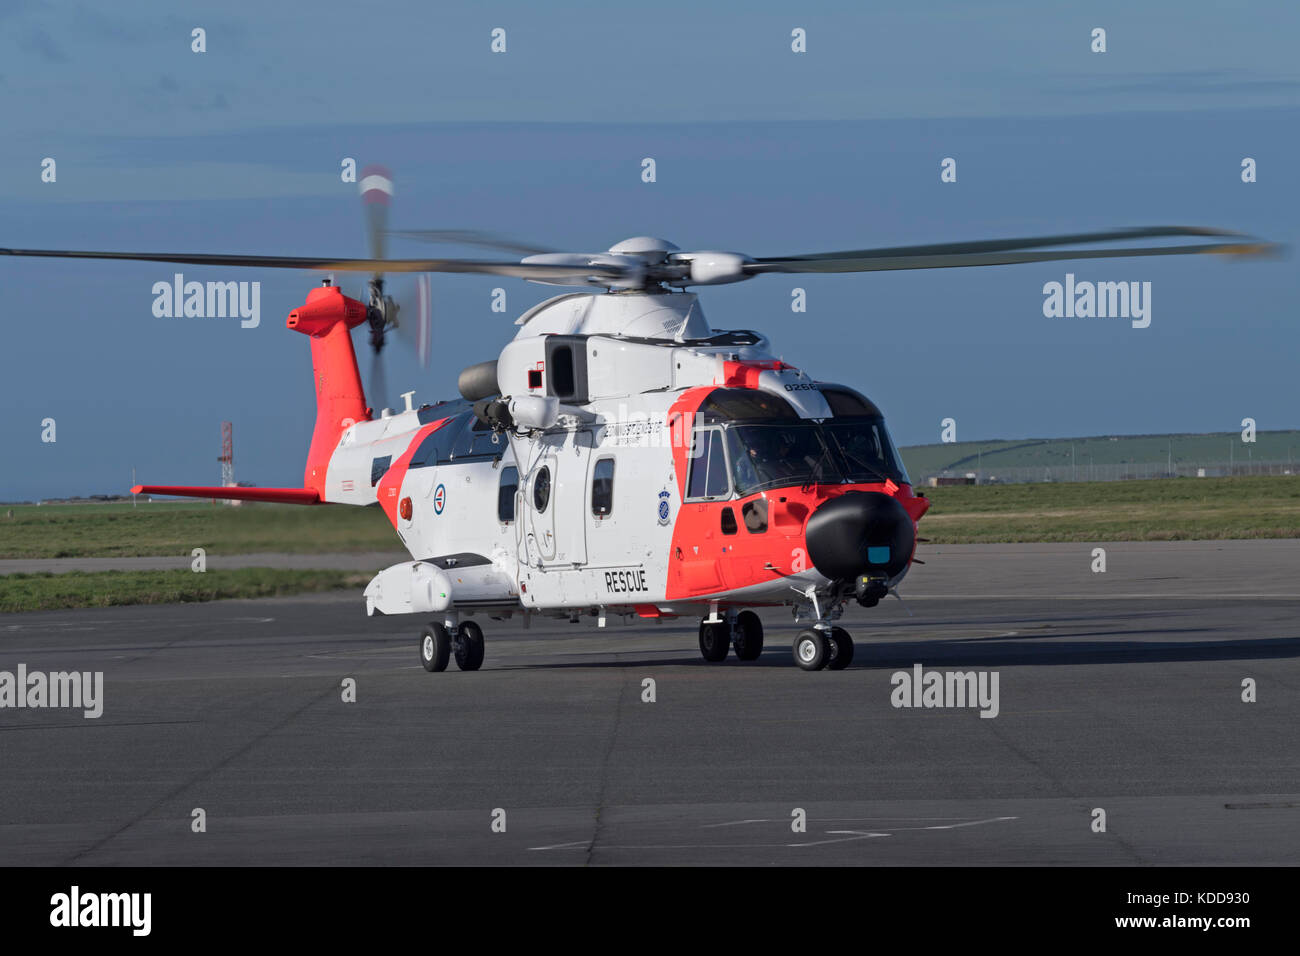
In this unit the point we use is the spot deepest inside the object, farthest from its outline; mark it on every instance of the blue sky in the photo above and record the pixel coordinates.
(758, 149)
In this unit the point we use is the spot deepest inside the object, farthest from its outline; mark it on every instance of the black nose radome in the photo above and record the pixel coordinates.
(861, 532)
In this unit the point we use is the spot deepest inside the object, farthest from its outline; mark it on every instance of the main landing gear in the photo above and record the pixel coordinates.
(439, 643)
(744, 631)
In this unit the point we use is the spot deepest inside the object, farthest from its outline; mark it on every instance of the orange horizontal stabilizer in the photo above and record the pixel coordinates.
(289, 496)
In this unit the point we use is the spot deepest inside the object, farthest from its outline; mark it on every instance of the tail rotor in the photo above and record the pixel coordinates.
(414, 301)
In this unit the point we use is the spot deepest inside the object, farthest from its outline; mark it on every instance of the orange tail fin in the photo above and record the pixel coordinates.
(329, 318)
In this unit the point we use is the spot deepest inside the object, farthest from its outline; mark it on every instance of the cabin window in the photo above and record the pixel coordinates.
(476, 441)
(728, 521)
(506, 494)
(754, 514)
(542, 489)
(438, 445)
(708, 480)
(602, 488)
(378, 466)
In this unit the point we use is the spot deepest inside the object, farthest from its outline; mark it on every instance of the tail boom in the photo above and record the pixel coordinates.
(328, 317)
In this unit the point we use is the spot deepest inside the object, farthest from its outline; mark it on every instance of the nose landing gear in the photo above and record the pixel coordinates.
(822, 644)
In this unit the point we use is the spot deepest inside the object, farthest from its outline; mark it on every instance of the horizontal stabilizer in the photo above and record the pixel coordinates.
(289, 496)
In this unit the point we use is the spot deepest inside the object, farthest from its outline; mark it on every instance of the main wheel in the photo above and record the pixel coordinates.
(469, 646)
(749, 636)
(811, 649)
(435, 647)
(841, 650)
(714, 641)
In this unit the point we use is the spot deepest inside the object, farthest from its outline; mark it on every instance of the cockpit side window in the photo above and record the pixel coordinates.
(708, 478)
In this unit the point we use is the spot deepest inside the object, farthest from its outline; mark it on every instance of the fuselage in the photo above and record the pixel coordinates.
(680, 474)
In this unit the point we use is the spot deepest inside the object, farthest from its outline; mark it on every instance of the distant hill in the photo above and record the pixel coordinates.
(1189, 452)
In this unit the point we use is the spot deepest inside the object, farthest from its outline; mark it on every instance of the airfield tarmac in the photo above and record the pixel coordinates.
(1119, 691)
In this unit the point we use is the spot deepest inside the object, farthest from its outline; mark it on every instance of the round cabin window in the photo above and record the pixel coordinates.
(542, 490)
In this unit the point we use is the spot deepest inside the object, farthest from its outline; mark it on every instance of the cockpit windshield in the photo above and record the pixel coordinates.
(802, 452)
(769, 456)
(865, 450)
(747, 441)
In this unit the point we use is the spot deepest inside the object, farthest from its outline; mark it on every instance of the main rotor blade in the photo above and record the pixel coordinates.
(471, 237)
(996, 252)
(516, 270)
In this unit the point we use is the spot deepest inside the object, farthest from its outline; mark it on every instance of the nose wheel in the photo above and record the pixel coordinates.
(811, 649)
(818, 647)
(841, 650)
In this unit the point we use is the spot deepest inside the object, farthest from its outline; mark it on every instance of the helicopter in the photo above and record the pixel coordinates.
(621, 458)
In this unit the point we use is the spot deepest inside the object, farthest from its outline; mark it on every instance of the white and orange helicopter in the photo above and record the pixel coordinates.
(621, 457)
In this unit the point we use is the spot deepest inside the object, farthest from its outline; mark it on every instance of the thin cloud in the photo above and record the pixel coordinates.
(1184, 83)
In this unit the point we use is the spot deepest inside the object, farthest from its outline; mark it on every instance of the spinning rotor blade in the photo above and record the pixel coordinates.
(514, 270)
(377, 393)
(998, 252)
(376, 191)
(471, 237)
(414, 328)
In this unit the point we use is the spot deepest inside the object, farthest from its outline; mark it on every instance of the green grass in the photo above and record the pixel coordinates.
(1175, 509)
(1154, 510)
(44, 592)
(116, 529)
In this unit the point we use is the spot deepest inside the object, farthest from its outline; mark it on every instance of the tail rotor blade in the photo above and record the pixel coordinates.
(378, 384)
(415, 330)
(376, 193)
(424, 320)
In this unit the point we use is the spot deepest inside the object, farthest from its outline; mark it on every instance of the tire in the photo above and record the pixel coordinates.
(811, 649)
(841, 655)
(749, 636)
(435, 647)
(714, 642)
(469, 646)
